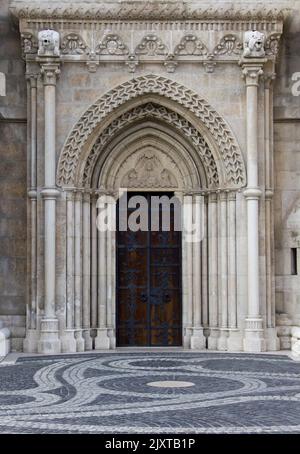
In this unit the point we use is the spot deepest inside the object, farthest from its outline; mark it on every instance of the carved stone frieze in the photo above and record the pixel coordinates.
(190, 45)
(147, 10)
(229, 45)
(112, 45)
(151, 45)
(73, 44)
(29, 43)
(272, 44)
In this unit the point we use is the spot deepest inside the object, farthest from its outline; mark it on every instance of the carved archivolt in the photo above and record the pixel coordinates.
(229, 151)
(161, 113)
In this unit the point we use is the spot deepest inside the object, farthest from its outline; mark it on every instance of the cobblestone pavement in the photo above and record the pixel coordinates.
(136, 393)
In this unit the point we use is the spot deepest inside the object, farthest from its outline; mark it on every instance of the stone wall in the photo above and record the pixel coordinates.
(12, 181)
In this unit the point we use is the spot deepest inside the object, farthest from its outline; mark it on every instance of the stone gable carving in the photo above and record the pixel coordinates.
(112, 45)
(162, 113)
(230, 153)
(29, 43)
(73, 44)
(48, 43)
(229, 45)
(151, 45)
(254, 44)
(148, 172)
(190, 45)
(272, 44)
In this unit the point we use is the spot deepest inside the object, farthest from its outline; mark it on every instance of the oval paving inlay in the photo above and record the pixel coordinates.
(171, 384)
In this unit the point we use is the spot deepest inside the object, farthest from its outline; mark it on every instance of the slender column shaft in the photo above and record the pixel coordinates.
(232, 302)
(94, 264)
(197, 212)
(223, 277)
(86, 285)
(33, 198)
(204, 258)
(253, 333)
(77, 265)
(102, 279)
(213, 260)
(70, 261)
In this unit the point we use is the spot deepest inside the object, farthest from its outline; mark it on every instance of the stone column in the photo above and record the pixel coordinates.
(102, 340)
(49, 337)
(86, 271)
(234, 341)
(68, 342)
(187, 267)
(222, 273)
(272, 341)
(198, 340)
(213, 271)
(253, 339)
(31, 339)
(94, 266)
(78, 271)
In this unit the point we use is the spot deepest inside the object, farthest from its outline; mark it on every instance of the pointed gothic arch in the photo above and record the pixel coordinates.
(185, 103)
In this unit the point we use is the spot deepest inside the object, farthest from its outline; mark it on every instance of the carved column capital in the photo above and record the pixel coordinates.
(49, 71)
(252, 71)
(268, 79)
(32, 79)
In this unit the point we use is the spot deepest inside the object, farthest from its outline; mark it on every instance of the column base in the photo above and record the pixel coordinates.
(272, 340)
(187, 334)
(79, 340)
(30, 343)
(198, 340)
(222, 339)
(88, 341)
(254, 335)
(212, 341)
(68, 342)
(235, 340)
(49, 342)
(102, 341)
(4, 340)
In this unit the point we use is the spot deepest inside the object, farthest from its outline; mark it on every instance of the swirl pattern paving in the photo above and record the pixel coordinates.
(110, 393)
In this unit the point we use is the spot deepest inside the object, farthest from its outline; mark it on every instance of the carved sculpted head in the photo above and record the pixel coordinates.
(254, 44)
(48, 43)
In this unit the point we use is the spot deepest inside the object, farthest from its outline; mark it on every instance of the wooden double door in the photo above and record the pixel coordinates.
(149, 309)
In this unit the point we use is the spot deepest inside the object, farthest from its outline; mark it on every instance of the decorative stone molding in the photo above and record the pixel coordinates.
(254, 44)
(73, 44)
(190, 45)
(151, 45)
(143, 10)
(112, 45)
(229, 45)
(158, 85)
(48, 43)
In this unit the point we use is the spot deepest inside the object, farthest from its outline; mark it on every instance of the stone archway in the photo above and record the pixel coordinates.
(154, 117)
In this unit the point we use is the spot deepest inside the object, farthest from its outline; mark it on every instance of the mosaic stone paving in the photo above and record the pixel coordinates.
(151, 393)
